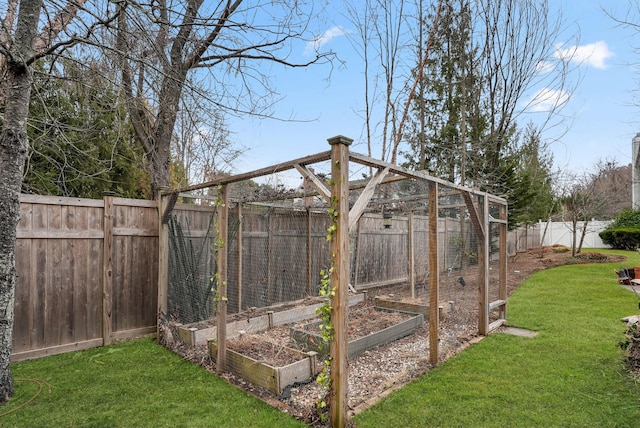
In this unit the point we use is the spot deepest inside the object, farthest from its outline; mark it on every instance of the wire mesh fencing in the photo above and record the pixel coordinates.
(414, 244)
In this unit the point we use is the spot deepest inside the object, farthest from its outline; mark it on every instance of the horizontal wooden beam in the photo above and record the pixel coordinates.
(402, 173)
(135, 333)
(55, 350)
(494, 325)
(497, 304)
(285, 166)
(497, 221)
(60, 234)
(59, 200)
(384, 283)
(82, 202)
(397, 169)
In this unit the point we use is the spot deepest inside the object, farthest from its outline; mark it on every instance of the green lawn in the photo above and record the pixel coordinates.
(134, 384)
(570, 375)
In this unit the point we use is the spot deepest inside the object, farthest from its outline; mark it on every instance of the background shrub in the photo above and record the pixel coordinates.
(624, 232)
(624, 238)
(627, 218)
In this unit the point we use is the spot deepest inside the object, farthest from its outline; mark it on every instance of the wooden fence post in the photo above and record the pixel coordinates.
(270, 255)
(163, 262)
(309, 260)
(502, 291)
(356, 268)
(434, 275)
(239, 255)
(221, 248)
(483, 321)
(339, 279)
(107, 271)
(411, 255)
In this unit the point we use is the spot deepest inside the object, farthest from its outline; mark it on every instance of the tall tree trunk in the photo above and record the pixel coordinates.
(160, 157)
(13, 151)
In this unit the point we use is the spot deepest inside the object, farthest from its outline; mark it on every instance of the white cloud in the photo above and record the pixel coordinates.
(324, 38)
(592, 54)
(547, 99)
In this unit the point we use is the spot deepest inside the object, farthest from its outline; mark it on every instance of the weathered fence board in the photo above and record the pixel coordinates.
(60, 262)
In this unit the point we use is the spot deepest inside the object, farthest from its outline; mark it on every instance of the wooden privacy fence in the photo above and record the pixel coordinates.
(87, 273)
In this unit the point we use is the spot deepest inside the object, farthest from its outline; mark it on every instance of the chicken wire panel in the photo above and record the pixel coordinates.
(274, 279)
(381, 250)
(421, 249)
(460, 282)
(498, 249)
(380, 242)
(192, 263)
(380, 253)
(248, 281)
(384, 253)
(381, 245)
(320, 251)
(283, 251)
(290, 256)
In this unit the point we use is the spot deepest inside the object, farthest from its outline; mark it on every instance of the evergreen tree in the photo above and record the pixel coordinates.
(440, 129)
(81, 144)
(535, 163)
(464, 127)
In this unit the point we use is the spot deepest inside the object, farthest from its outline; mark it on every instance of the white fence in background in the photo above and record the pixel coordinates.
(556, 233)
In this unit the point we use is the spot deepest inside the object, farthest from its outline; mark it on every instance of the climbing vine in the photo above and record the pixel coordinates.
(216, 282)
(326, 326)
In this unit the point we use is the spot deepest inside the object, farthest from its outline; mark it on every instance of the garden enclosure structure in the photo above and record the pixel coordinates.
(354, 224)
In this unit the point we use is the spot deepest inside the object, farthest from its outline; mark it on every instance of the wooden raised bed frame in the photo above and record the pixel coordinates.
(418, 308)
(311, 342)
(274, 379)
(194, 336)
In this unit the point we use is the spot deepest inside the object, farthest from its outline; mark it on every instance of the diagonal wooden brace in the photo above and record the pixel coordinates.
(315, 181)
(366, 195)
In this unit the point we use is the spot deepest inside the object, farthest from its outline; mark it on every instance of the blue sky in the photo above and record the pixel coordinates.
(599, 119)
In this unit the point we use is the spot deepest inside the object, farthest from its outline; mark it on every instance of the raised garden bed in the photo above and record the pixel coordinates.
(200, 333)
(267, 367)
(308, 337)
(411, 305)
